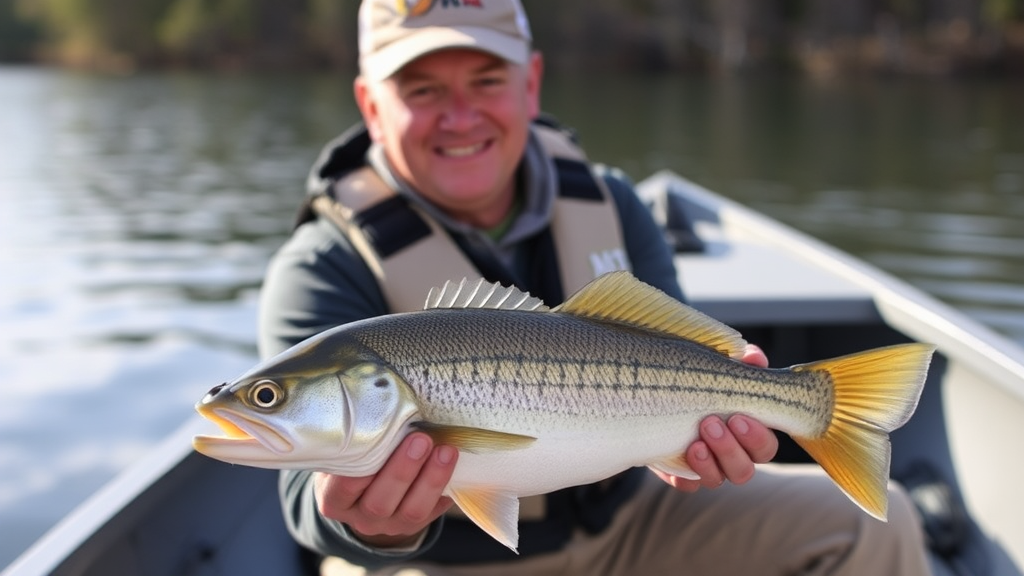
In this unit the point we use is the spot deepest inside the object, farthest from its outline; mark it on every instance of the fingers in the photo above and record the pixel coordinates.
(733, 449)
(755, 356)
(724, 459)
(726, 452)
(388, 490)
(401, 499)
(757, 440)
(335, 495)
(703, 455)
(421, 502)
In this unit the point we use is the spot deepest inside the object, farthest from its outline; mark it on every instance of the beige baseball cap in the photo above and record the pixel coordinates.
(393, 33)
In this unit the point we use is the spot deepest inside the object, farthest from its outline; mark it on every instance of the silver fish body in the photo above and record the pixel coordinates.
(598, 398)
(537, 400)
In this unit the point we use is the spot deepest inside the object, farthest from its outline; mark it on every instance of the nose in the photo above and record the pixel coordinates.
(460, 114)
(214, 391)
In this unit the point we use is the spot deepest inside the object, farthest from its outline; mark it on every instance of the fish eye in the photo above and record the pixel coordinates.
(266, 394)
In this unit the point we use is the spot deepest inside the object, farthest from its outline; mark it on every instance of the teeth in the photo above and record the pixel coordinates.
(462, 151)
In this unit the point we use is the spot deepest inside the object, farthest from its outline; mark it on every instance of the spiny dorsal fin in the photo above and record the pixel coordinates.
(481, 294)
(620, 297)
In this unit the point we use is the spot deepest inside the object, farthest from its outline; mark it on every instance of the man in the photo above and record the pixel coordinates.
(452, 177)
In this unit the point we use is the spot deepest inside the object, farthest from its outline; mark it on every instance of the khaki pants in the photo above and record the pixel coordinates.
(787, 520)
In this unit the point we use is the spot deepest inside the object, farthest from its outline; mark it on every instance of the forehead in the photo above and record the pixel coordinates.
(465, 59)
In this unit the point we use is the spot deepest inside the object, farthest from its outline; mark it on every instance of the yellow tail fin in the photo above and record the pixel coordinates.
(875, 393)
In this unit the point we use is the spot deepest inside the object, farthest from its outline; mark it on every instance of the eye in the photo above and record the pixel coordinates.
(490, 81)
(419, 91)
(266, 394)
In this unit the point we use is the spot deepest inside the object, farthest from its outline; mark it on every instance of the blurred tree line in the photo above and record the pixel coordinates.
(819, 36)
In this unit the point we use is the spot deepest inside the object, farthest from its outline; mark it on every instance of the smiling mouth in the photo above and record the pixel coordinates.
(462, 151)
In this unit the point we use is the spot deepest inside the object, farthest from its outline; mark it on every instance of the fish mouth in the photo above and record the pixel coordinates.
(241, 435)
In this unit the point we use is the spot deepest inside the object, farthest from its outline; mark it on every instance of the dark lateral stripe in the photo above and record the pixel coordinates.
(632, 365)
(520, 363)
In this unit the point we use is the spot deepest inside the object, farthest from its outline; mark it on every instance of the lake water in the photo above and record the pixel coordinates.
(138, 214)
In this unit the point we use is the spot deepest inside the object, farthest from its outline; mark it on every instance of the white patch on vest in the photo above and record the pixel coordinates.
(607, 261)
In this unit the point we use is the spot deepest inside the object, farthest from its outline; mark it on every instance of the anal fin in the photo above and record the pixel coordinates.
(496, 512)
(676, 466)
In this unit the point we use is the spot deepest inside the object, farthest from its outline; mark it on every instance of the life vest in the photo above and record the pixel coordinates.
(409, 252)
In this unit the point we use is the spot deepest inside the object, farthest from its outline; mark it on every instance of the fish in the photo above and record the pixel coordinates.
(538, 399)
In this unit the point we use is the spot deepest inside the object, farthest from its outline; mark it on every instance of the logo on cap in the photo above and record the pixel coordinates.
(414, 7)
(421, 7)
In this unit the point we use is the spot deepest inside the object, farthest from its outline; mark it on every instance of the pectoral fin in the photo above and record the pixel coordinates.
(474, 440)
(676, 466)
(494, 511)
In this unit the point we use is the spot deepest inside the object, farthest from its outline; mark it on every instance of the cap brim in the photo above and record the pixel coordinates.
(393, 57)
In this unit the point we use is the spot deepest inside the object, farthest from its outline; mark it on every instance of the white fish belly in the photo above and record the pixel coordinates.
(571, 456)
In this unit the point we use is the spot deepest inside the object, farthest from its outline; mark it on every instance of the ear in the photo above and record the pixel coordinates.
(534, 75)
(367, 106)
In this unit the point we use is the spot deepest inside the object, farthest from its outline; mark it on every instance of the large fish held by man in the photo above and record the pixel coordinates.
(539, 399)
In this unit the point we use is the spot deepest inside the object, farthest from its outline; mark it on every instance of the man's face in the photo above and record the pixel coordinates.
(454, 124)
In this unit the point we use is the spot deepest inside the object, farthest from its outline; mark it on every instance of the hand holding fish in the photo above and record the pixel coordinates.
(394, 506)
(727, 450)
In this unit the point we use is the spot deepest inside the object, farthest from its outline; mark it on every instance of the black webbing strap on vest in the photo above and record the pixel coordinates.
(575, 180)
(391, 225)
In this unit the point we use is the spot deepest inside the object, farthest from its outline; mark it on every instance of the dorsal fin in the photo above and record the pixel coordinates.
(482, 294)
(620, 297)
